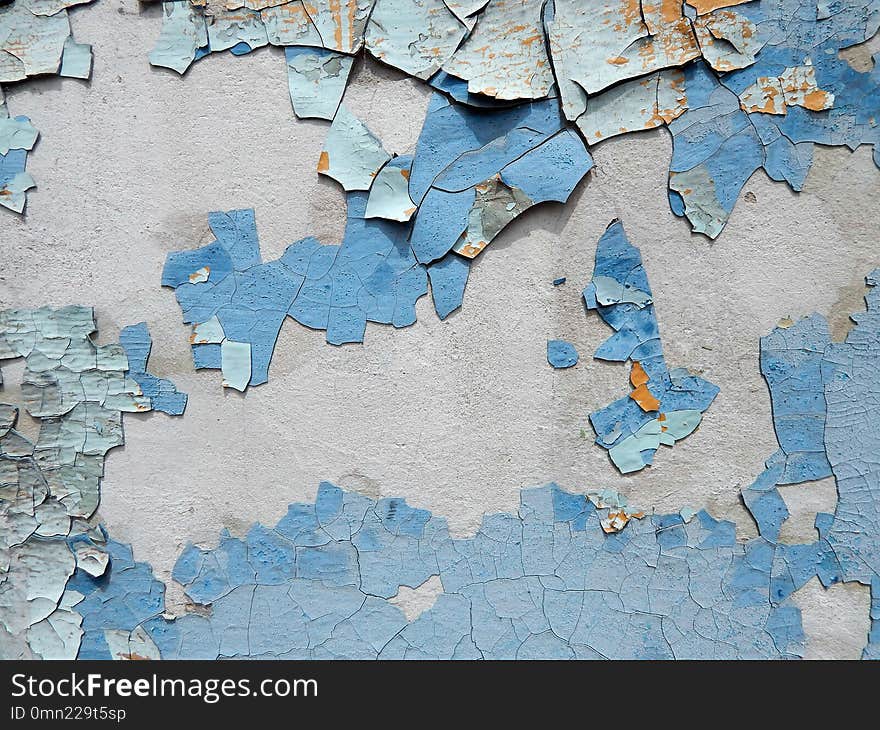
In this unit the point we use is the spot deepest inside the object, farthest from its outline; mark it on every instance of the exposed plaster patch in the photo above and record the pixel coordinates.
(835, 619)
(804, 501)
(415, 601)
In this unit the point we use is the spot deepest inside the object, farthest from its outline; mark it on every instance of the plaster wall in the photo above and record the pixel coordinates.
(456, 416)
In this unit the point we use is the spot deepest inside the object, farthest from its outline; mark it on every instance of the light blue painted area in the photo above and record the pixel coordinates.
(561, 354)
(542, 583)
(822, 394)
(122, 599)
(545, 582)
(852, 440)
(715, 140)
(18, 136)
(163, 394)
(316, 80)
(791, 361)
(382, 267)
(620, 293)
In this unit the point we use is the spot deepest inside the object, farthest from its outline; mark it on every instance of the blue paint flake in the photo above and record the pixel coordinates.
(231, 297)
(620, 293)
(561, 354)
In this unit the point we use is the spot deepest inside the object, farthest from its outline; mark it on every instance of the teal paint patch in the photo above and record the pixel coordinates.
(35, 40)
(316, 80)
(50, 487)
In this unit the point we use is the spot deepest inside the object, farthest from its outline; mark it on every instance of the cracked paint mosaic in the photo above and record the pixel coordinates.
(50, 488)
(35, 40)
(567, 576)
(522, 90)
(741, 86)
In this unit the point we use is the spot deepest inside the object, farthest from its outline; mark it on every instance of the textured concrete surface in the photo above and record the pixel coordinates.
(456, 416)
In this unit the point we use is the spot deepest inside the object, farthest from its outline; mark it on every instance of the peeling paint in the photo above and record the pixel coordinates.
(352, 155)
(397, 236)
(505, 56)
(561, 354)
(567, 576)
(35, 40)
(50, 488)
(665, 405)
(316, 79)
(741, 86)
(415, 36)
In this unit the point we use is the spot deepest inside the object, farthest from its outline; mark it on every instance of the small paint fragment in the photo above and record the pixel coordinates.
(352, 155)
(561, 354)
(76, 63)
(316, 80)
(389, 194)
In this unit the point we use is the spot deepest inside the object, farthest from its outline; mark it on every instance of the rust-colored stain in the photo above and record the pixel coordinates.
(324, 162)
(707, 6)
(200, 275)
(335, 11)
(817, 100)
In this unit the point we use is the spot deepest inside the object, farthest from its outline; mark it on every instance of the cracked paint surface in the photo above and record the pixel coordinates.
(665, 405)
(741, 86)
(567, 576)
(35, 40)
(422, 220)
(50, 488)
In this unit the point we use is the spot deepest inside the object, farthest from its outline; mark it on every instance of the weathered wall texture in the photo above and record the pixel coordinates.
(456, 416)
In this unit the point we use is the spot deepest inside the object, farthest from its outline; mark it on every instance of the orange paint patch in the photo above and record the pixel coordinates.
(324, 162)
(638, 378)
